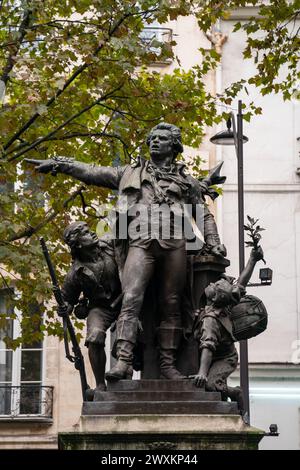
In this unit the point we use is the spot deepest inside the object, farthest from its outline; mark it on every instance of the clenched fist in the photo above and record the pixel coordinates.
(63, 310)
(257, 253)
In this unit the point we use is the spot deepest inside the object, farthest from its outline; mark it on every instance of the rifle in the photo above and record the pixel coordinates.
(77, 359)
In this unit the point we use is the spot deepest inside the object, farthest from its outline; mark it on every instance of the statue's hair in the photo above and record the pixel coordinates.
(71, 235)
(176, 136)
(226, 292)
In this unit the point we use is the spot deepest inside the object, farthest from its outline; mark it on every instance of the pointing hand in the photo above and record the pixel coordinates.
(42, 166)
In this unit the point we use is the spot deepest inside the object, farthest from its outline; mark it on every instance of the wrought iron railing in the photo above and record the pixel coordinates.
(154, 38)
(26, 401)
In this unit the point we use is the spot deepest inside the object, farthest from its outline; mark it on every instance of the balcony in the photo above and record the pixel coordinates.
(26, 403)
(154, 38)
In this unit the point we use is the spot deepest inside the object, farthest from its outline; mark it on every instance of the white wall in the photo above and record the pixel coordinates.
(272, 194)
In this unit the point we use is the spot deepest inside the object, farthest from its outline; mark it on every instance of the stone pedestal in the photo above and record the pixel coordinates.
(159, 415)
(163, 432)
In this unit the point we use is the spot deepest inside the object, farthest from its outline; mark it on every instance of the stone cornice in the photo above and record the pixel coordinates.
(243, 13)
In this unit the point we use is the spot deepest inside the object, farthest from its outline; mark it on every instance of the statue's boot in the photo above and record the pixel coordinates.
(98, 392)
(169, 339)
(126, 339)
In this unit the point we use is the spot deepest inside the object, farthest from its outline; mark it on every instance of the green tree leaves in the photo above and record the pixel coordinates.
(79, 81)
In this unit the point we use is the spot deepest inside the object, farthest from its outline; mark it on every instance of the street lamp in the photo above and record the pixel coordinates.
(227, 137)
(235, 137)
(265, 276)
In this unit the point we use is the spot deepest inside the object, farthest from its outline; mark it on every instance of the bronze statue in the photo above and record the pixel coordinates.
(214, 332)
(158, 182)
(94, 274)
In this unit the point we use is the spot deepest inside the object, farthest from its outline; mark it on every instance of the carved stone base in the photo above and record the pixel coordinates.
(163, 432)
(159, 414)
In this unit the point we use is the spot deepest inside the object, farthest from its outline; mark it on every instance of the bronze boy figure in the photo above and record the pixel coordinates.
(215, 335)
(94, 274)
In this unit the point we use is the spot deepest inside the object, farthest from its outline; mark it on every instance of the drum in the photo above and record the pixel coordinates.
(249, 318)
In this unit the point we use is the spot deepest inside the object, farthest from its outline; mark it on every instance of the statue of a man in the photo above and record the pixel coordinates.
(152, 183)
(93, 274)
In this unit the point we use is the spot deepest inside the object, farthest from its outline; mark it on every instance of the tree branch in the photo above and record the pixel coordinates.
(68, 82)
(57, 23)
(85, 206)
(15, 49)
(7, 286)
(51, 214)
(73, 135)
(125, 114)
(61, 126)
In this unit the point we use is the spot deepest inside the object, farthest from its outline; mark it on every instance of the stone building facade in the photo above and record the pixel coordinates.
(272, 194)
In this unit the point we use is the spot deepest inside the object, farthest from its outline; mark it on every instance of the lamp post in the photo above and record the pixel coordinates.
(236, 138)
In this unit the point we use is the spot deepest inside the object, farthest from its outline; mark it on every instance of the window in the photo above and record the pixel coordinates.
(21, 388)
(154, 38)
(5, 362)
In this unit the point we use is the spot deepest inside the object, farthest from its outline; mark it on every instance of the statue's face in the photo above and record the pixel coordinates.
(86, 238)
(161, 144)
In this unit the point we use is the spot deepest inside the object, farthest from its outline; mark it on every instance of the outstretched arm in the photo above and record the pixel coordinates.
(105, 176)
(200, 379)
(255, 255)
